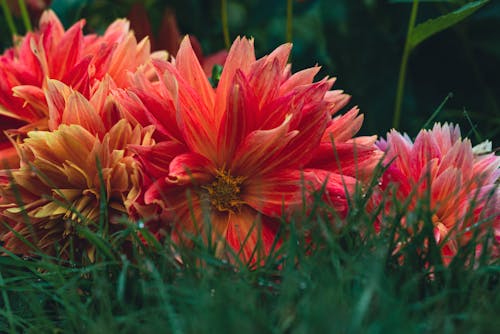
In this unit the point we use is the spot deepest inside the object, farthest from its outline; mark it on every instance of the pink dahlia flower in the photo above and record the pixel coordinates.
(464, 194)
(230, 161)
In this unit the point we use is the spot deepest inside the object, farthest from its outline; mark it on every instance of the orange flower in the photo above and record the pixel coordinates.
(231, 161)
(78, 61)
(464, 196)
(58, 187)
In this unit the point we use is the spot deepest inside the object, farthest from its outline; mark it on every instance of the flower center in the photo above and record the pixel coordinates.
(224, 191)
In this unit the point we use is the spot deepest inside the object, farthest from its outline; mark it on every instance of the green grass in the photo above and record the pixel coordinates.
(330, 276)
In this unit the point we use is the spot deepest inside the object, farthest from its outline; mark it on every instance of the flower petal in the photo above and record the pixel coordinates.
(275, 194)
(240, 57)
(251, 235)
(190, 168)
(156, 159)
(238, 120)
(190, 69)
(260, 148)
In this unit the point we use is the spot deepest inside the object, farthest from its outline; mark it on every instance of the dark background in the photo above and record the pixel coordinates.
(358, 41)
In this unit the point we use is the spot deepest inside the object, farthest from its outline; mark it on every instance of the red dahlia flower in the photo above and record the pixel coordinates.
(464, 194)
(78, 60)
(242, 153)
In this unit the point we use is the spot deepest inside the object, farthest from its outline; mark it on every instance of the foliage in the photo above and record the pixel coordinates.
(328, 277)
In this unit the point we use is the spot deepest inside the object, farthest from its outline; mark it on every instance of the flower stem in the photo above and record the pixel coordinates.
(289, 20)
(8, 17)
(25, 16)
(402, 68)
(225, 25)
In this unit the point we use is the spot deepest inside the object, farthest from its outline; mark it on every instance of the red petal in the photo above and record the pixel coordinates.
(190, 168)
(299, 150)
(250, 235)
(240, 57)
(274, 194)
(156, 159)
(66, 53)
(352, 159)
(35, 97)
(265, 80)
(78, 77)
(304, 77)
(190, 69)
(259, 149)
(238, 120)
(344, 127)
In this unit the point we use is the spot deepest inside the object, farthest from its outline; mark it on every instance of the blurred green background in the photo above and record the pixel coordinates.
(358, 41)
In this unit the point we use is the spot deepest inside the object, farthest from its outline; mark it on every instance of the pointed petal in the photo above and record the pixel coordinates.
(445, 195)
(344, 127)
(79, 111)
(304, 77)
(260, 148)
(240, 57)
(190, 69)
(265, 81)
(299, 150)
(238, 120)
(56, 94)
(66, 53)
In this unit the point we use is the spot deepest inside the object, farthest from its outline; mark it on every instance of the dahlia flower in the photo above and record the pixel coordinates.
(464, 195)
(231, 161)
(78, 60)
(64, 173)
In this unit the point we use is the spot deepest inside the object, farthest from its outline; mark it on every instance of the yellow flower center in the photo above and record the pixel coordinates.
(224, 191)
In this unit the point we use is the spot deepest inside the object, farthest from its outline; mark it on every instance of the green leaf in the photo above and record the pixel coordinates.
(425, 30)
